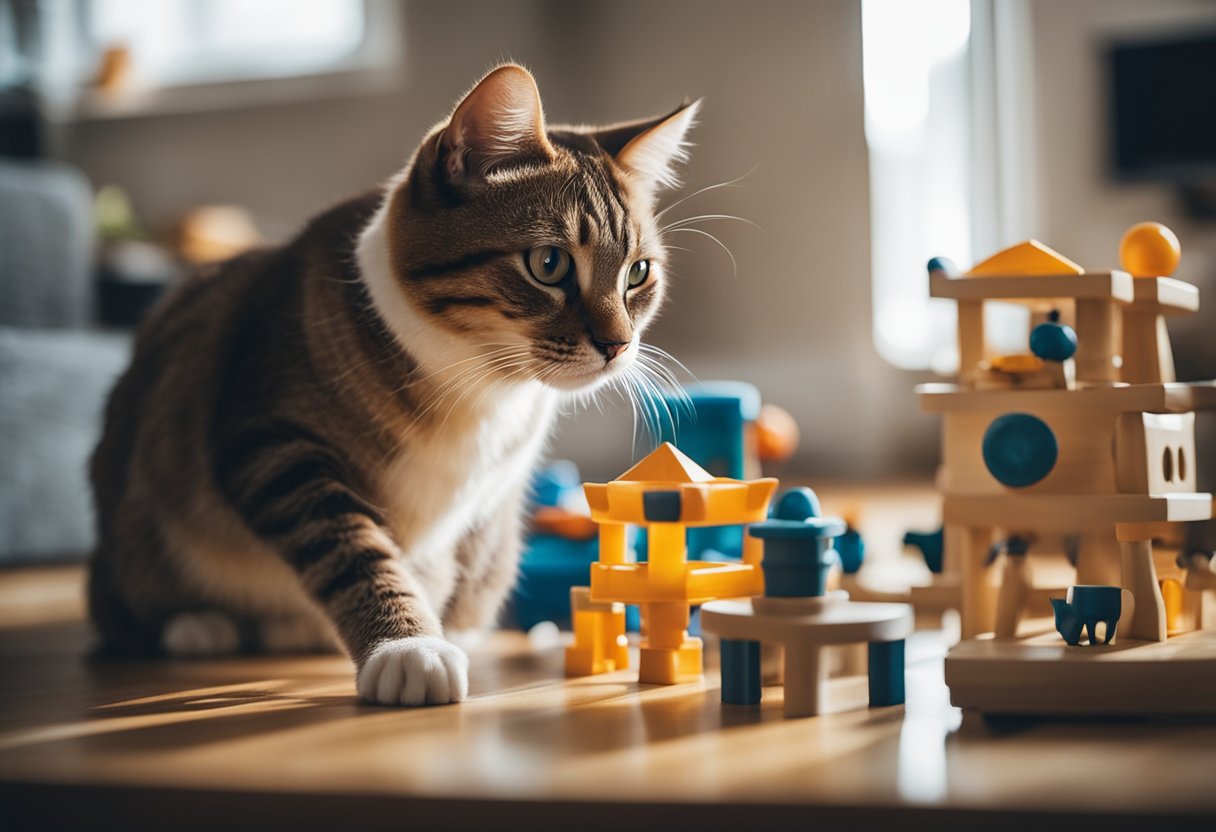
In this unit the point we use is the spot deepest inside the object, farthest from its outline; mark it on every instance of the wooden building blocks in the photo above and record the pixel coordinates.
(1086, 452)
(797, 613)
(667, 493)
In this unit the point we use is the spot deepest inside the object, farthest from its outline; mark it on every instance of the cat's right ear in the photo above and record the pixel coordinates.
(498, 124)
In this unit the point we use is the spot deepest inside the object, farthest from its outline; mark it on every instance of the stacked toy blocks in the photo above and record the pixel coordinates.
(666, 493)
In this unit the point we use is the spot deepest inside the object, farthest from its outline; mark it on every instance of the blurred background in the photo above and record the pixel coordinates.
(861, 136)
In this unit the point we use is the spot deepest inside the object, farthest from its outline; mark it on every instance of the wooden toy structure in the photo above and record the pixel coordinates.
(797, 614)
(1083, 447)
(666, 493)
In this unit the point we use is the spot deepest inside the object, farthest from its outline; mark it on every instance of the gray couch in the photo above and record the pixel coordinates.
(56, 367)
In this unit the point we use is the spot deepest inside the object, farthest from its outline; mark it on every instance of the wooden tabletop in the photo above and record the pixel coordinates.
(281, 742)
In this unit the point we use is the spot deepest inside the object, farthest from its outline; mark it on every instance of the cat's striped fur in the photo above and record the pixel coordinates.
(333, 438)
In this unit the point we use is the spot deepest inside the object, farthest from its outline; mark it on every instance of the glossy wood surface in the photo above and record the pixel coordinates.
(256, 742)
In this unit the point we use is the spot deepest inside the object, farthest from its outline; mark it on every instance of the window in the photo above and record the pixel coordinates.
(947, 129)
(177, 42)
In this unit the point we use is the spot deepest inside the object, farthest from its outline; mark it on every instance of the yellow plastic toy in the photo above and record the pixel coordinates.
(666, 492)
(1149, 249)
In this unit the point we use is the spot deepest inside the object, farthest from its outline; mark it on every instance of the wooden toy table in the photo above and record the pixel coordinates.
(803, 626)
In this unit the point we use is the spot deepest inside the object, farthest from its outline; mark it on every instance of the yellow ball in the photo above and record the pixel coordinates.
(1149, 249)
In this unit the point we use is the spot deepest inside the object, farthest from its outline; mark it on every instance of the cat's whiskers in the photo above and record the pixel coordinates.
(727, 184)
(734, 263)
(687, 221)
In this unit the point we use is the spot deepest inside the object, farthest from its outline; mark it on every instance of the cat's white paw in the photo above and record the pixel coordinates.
(200, 634)
(423, 670)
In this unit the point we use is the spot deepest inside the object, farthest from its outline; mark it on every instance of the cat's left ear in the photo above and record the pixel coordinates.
(498, 124)
(651, 149)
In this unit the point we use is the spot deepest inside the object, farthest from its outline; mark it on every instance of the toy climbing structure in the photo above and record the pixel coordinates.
(1081, 451)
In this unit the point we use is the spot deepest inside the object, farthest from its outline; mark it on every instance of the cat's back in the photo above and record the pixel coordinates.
(232, 331)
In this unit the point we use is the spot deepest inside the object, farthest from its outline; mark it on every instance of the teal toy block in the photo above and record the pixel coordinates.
(740, 671)
(797, 545)
(886, 667)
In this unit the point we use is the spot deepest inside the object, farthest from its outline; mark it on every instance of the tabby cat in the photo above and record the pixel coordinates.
(330, 442)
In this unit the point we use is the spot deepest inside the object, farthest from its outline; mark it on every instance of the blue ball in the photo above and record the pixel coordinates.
(1019, 449)
(1053, 342)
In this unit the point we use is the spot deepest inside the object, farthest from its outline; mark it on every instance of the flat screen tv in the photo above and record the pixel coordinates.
(1163, 107)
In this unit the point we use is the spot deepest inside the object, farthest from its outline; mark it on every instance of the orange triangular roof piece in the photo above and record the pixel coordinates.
(666, 463)
(1028, 258)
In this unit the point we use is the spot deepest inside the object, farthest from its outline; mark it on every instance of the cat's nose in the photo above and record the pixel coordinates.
(610, 349)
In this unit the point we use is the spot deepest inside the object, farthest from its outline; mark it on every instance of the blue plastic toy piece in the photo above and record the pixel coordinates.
(1053, 341)
(932, 547)
(740, 672)
(1019, 449)
(886, 666)
(1084, 609)
(554, 481)
(851, 550)
(797, 545)
(551, 564)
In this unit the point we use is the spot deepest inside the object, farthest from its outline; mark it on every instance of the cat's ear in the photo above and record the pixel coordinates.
(498, 124)
(652, 148)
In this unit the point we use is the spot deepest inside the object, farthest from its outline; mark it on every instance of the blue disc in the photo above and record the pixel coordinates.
(1019, 449)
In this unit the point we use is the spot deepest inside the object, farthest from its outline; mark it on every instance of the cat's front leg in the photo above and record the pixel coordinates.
(295, 493)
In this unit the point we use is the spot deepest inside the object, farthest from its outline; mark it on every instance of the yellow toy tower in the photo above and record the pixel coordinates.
(666, 493)
(1083, 447)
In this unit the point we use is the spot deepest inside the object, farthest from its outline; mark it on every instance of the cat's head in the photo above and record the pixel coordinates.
(532, 250)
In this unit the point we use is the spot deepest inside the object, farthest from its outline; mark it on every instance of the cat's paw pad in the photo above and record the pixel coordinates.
(200, 634)
(414, 671)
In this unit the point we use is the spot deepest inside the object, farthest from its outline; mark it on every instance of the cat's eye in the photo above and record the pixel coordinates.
(639, 272)
(549, 264)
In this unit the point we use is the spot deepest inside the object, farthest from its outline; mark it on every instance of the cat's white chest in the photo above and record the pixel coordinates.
(449, 481)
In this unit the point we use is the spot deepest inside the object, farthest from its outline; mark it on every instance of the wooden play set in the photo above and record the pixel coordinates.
(1068, 480)
(1080, 450)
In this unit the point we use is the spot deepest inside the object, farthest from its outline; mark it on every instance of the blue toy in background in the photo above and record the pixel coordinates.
(1052, 340)
(552, 563)
(714, 434)
(932, 547)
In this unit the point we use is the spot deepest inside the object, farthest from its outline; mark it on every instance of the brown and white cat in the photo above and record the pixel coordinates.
(330, 441)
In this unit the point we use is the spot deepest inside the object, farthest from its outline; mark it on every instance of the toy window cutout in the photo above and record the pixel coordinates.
(1167, 464)
(1181, 465)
